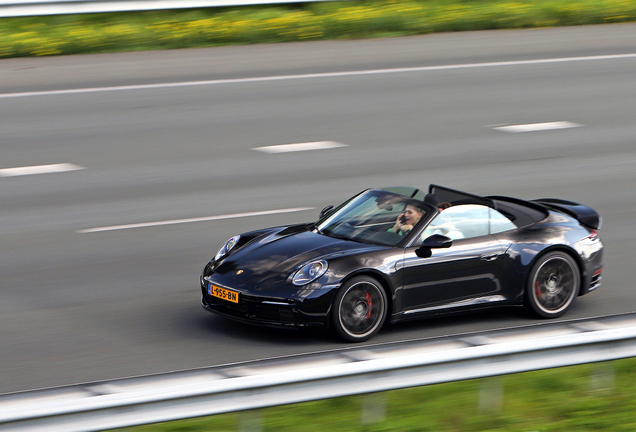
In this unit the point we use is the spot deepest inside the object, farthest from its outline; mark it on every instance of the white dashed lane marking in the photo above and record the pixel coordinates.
(191, 220)
(39, 169)
(287, 148)
(535, 127)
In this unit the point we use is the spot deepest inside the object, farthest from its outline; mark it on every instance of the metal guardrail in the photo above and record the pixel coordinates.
(17, 8)
(359, 370)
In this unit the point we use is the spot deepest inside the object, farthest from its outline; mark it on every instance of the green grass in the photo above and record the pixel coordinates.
(563, 399)
(74, 34)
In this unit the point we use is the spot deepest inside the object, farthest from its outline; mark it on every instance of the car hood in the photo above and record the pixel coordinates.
(272, 257)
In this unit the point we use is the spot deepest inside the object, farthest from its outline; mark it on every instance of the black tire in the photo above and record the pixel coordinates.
(553, 284)
(359, 309)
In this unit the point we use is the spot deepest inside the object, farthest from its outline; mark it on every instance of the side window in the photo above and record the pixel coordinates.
(459, 222)
(499, 223)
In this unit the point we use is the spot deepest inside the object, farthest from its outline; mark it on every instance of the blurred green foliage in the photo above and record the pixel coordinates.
(554, 400)
(96, 33)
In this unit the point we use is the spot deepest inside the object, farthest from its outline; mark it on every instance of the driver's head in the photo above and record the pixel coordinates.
(412, 214)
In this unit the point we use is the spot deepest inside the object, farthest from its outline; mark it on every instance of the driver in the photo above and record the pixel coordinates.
(406, 220)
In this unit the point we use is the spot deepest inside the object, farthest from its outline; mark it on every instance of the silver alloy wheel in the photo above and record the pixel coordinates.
(360, 309)
(554, 284)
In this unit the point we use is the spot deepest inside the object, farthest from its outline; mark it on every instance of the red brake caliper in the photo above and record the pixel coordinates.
(370, 305)
(537, 289)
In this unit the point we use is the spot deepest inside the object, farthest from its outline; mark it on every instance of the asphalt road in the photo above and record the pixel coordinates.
(83, 306)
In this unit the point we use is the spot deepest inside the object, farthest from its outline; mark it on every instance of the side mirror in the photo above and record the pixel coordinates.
(437, 241)
(324, 212)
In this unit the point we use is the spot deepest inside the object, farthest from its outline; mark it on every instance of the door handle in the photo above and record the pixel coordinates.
(489, 257)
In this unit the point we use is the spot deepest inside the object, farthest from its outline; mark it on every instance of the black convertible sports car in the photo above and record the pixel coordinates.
(398, 254)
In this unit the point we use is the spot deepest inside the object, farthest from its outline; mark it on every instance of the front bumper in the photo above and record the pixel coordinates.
(308, 308)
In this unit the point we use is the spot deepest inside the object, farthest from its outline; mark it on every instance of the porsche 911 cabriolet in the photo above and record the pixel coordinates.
(395, 254)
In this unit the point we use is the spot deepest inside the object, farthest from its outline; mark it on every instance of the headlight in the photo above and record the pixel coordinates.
(310, 272)
(227, 247)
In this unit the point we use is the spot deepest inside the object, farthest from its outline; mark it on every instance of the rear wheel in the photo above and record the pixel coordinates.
(359, 309)
(553, 284)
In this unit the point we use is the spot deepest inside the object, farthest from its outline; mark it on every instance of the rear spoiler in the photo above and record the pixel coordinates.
(584, 214)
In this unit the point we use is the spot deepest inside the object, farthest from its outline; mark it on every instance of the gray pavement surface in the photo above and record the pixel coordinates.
(78, 307)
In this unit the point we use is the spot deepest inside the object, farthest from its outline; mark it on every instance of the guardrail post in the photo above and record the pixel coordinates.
(373, 408)
(250, 421)
(490, 395)
(603, 376)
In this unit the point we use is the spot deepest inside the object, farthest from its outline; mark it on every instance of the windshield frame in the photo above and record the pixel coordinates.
(337, 218)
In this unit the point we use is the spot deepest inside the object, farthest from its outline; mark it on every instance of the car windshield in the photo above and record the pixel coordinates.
(371, 218)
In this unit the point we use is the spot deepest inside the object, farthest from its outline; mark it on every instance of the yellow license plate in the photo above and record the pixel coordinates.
(223, 293)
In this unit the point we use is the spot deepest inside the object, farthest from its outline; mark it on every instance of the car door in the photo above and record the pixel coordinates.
(466, 274)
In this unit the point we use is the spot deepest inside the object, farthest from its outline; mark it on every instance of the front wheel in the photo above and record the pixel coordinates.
(553, 284)
(359, 309)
